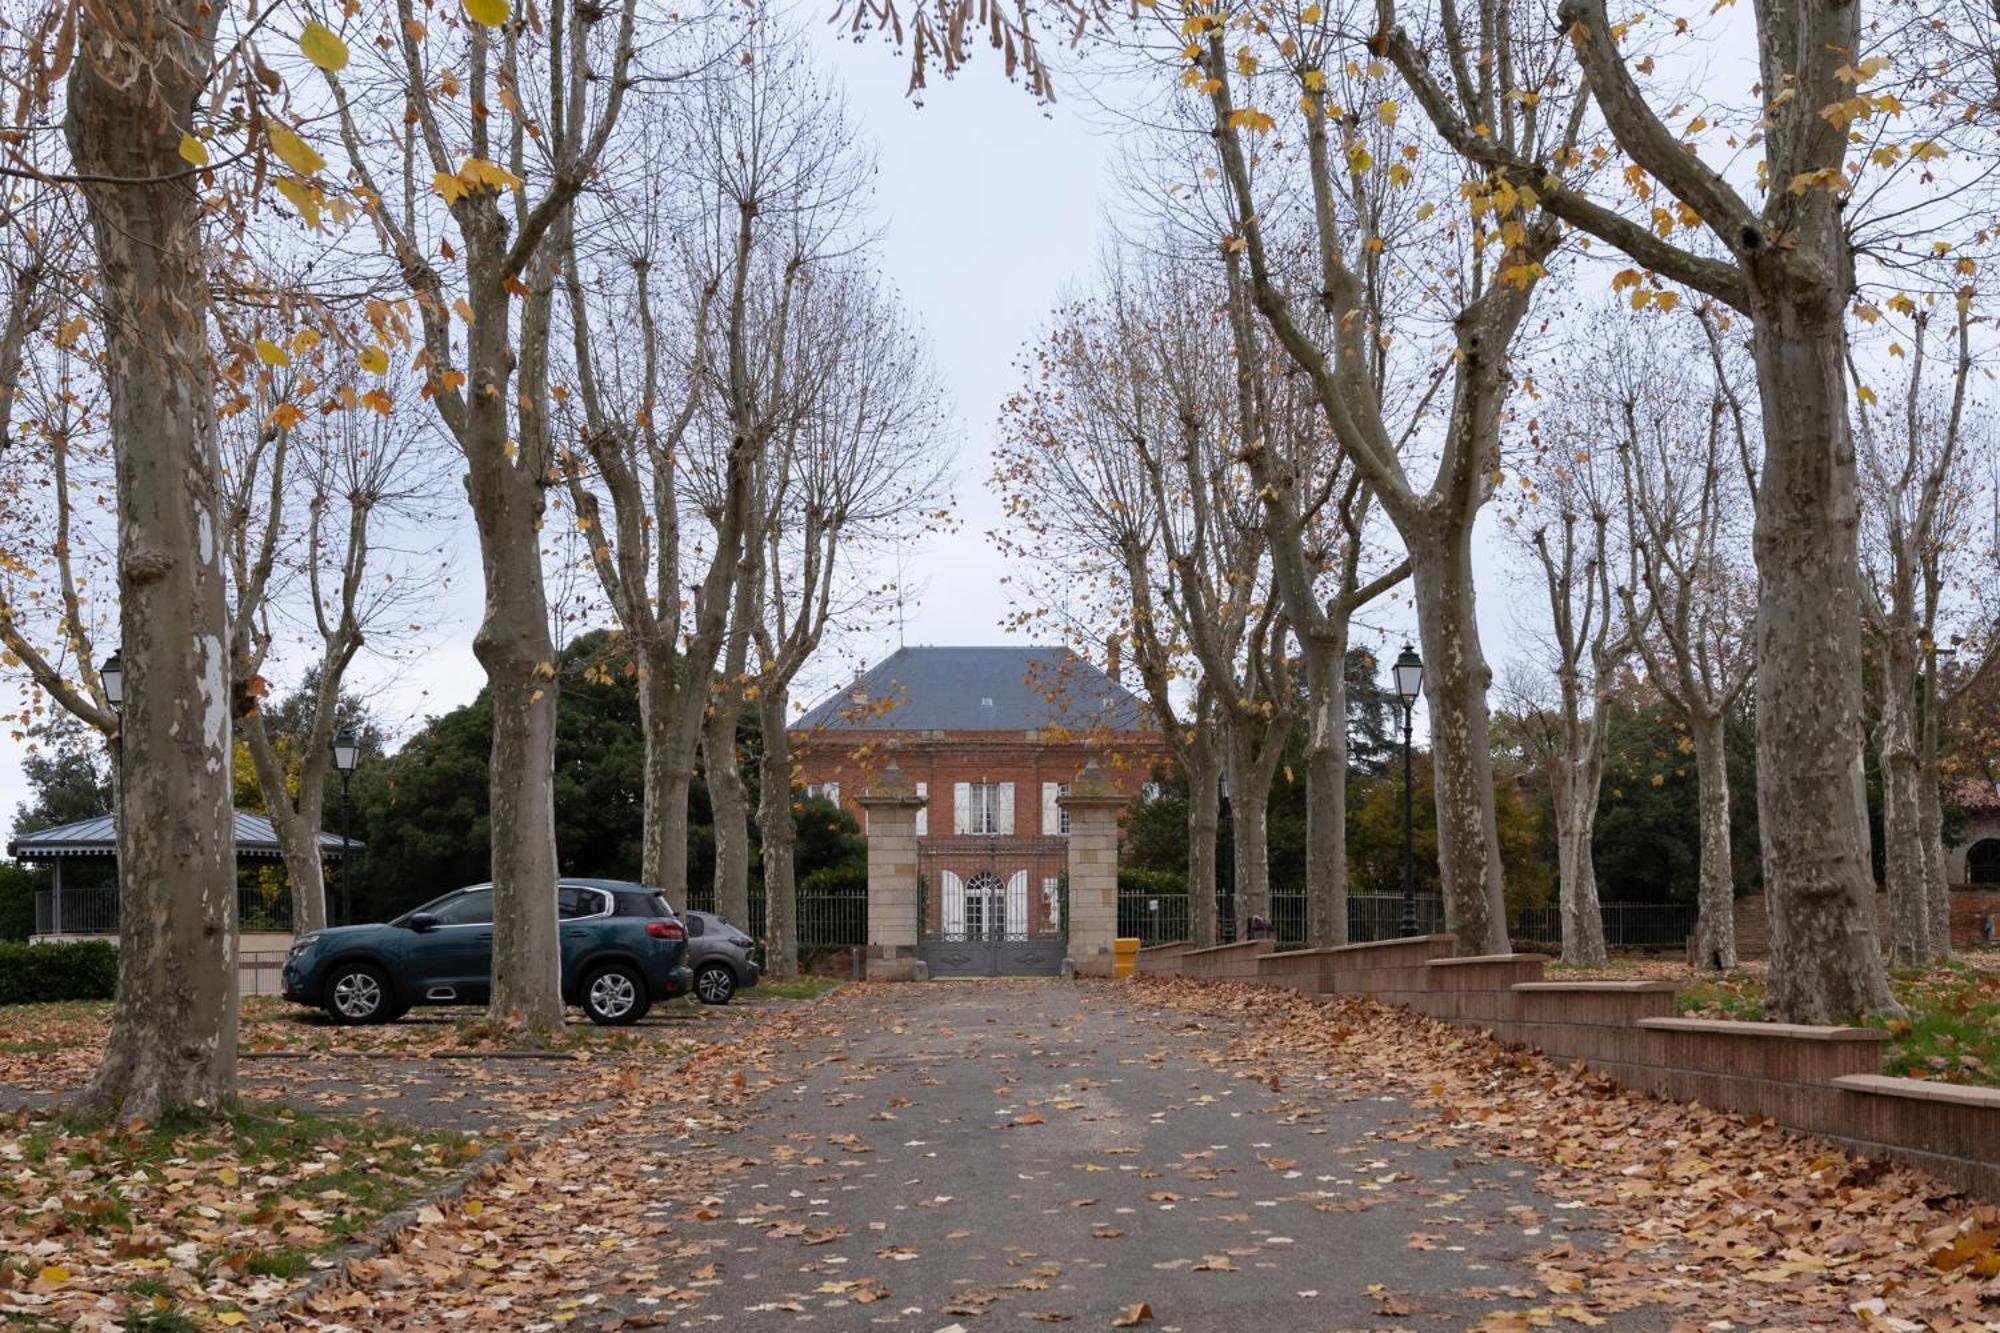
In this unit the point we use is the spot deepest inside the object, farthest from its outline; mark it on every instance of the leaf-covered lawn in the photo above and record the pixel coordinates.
(1952, 1033)
(191, 1223)
(790, 988)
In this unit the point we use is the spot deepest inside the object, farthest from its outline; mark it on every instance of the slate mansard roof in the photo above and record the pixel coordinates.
(979, 689)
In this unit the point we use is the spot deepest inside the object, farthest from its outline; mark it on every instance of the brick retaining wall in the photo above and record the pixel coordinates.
(1226, 962)
(1753, 931)
(1161, 959)
(1819, 1080)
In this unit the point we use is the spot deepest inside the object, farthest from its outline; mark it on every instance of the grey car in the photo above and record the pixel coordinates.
(722, 957)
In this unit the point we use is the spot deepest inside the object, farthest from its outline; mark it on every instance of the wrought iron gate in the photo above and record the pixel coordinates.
(993, 907)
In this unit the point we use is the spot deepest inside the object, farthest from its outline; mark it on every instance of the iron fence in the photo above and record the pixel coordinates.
(1162, 918)
(828, 918)
(94, 911)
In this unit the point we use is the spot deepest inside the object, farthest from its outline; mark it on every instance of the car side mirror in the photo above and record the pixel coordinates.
(422, 922)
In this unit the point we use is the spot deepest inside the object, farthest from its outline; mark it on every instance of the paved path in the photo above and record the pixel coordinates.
(982, 1154)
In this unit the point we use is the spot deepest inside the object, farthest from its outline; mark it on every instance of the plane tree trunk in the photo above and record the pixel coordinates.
(172, 1044)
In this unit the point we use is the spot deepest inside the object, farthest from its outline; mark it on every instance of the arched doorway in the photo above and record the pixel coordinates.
(1982, 862)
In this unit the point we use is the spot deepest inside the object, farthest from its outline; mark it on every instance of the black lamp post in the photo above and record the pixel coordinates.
(1409, 674)
(112, 674)
(346, 754)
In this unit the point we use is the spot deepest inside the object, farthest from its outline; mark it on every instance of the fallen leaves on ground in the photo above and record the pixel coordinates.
(1713, 1217)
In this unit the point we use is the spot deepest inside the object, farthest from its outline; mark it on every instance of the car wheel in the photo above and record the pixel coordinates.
(359, 993)
(715, 983)
(615, 995)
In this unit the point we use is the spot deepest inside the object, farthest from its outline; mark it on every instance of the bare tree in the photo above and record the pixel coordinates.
(1791, 262)
(544, 99)
(305, 503)
(1913, 489)
(860, 469)
(1568, 527)
(1338, 346)
(1083, 532)
(768, 180)
(1684, 498)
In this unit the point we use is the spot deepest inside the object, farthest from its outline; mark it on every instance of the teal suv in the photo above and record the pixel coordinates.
(622, 949)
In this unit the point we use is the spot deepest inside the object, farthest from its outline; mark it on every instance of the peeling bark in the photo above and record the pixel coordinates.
(729, 803)
(1455, 682)
(1204, 771)
(780, 836)
(172, 1045)
(1715, 926)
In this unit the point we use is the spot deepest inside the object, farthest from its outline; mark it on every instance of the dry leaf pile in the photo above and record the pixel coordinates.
(1714, 1217)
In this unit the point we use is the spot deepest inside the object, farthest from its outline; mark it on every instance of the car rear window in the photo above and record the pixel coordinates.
(659, 905)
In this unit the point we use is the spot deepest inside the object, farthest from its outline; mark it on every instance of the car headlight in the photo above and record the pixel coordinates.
(302, 943)
(744, 942)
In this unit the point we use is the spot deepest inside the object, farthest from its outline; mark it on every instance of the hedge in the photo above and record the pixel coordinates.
(77, 970)
(1152, 883)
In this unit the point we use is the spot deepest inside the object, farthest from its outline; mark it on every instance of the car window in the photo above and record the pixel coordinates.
(466, 909)
(572, 903)
(660, 905)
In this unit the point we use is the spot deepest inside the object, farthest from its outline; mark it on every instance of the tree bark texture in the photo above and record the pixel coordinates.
(1326, 794)
(1455, 681)
(1250, 771)
(1826, 960)
(1903, 860)
(669, 776)
(1715, 926)
(1204, 770)
(774, 821)
(729, 803)
(172, 1044)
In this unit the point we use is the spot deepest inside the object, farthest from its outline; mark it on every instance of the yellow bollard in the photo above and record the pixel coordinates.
(1125, 956)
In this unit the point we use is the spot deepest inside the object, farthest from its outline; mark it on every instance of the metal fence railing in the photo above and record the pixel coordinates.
(828, 918)
(94, 911)
(1162, 918)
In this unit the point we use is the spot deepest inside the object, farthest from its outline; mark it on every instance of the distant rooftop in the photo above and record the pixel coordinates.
(978, 689)
(256, 840)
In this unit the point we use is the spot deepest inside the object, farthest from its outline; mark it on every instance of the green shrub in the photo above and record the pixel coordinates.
(1135, 879)
(841, 877)
(17, 902)
(39, 973)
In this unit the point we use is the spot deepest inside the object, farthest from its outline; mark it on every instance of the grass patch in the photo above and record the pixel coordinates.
(792, 988)
(213, 1202)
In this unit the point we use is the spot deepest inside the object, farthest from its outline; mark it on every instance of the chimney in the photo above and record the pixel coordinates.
(1114, 653)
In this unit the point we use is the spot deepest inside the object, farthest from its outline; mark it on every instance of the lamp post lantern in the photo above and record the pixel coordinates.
(112, 676)
(346, 753)
(1409, 676)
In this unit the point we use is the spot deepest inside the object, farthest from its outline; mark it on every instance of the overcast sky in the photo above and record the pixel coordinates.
(992, 208)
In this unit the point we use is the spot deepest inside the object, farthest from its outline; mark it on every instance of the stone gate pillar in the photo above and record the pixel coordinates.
(1093, 804)
(892, 804)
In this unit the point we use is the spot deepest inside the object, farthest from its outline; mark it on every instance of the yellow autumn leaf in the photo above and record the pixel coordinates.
(374, 360)
(271, 354)
(1310, 14)
(1664, 301)
(304, 341)
(462, 310)
(293, 151)
(451, 187)
(491, 13)
(232, 1318)
(1864, 393)
(1250, 118)
(1315, 79)
(228, 1176)
(54, 1273)
(301, 197)
(193, 151)
(477, 171)
(321, 46)
(71, 331)
(1386, 113)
